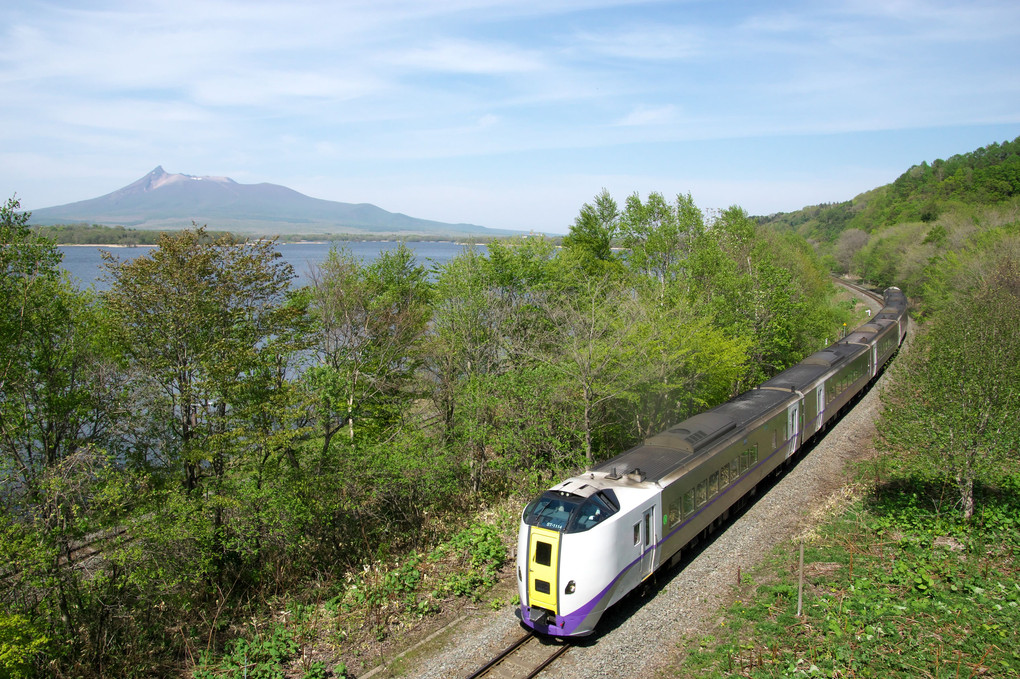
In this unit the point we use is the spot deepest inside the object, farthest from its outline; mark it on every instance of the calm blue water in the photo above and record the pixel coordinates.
(85, 263)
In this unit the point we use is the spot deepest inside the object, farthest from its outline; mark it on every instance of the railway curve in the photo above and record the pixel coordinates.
(639, 636)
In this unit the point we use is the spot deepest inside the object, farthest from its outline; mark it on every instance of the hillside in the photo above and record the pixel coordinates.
(161, 200)
(935, 218)
(984, 177)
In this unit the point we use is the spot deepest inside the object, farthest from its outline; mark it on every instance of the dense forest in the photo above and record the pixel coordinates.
(919, 230)
(236, 447)
(985, 177)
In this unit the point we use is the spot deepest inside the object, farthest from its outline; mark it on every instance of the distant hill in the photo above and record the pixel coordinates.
(987, 176)
(923, 229)
(160, 200)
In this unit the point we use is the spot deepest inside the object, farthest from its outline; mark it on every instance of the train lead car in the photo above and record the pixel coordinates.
(588, 541)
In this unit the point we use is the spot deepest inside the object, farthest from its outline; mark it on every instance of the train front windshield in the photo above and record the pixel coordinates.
(569, 513)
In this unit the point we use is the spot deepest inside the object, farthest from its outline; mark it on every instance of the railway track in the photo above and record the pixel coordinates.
(864, 291)
(78, 554)
(523, 659)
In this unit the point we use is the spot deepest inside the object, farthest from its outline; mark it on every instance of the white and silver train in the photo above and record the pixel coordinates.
(588, 541)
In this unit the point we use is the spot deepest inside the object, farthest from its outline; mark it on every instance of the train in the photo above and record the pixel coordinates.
(588, 541)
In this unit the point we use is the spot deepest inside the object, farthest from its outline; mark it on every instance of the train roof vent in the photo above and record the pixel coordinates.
(702, 430)
(574, 487)
(824, 358)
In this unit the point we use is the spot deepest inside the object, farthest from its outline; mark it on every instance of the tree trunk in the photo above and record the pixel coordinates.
(965, 483)
(587, 429)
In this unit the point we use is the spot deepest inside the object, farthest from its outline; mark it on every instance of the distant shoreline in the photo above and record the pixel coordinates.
(107, 245)
(282, 243)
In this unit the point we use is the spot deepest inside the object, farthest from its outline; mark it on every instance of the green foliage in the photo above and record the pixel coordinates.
(660, 236)
(369, 322)
(954, 400)
(894, 589)
(65, 393)
(590, 240)
(769, 290)
(205, 322)
(924, 193)
(223, 440)
(482, 548)
(20, 643)
(33, 332)
(265, 656)
(386, 595)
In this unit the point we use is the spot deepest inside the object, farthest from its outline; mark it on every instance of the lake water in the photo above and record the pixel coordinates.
(85, 263)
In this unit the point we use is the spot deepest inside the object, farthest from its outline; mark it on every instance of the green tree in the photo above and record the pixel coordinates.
(27, 262)
(955, 401)
(202, 320)
(681, 364)
(587, 334)
(20, 642)
(207, 327)
(370, 321)
(65, 392)
(660, 236)
(499, 410)
(591, 236)
(59, 385)
(463, 354)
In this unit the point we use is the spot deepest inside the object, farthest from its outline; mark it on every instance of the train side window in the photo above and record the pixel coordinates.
(637, 533)
(734, 469)
(673, 514)
(713, 484)
(724, 476)
(700, 496)
(754, 454)
(775, 439)
(689, 502)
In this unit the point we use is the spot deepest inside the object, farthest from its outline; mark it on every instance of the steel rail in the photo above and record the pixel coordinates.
(509, 652)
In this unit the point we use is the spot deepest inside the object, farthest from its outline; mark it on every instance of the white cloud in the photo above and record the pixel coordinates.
(464, 56)
(649, 115)
(653, 43)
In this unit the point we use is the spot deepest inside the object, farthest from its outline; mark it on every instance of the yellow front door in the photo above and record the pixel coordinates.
(543, 557)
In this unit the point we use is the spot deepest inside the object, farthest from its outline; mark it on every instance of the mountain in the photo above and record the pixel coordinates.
(160, 200)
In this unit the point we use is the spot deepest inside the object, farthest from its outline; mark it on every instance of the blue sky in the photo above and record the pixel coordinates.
(503, 113)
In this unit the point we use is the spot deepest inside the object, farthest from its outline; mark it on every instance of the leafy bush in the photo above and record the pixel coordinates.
(20, 642)
(265, 656)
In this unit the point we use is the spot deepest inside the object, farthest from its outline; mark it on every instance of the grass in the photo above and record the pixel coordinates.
(893, 588)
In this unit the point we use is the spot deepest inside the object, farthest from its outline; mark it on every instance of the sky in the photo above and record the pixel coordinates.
(503, 113)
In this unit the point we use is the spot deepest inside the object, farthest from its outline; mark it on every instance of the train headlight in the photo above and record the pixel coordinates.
(571, 586)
